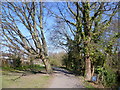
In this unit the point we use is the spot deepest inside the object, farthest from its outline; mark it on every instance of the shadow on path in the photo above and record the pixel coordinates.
(61, 70)
(64, 79)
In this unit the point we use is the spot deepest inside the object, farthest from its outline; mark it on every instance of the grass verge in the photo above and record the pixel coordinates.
(29, 81)
(85, 83)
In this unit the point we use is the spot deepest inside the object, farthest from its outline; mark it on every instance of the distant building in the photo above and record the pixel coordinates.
(5, 60)
(8, 61)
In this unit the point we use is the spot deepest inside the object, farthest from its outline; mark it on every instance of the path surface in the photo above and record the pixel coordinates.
(64, 79)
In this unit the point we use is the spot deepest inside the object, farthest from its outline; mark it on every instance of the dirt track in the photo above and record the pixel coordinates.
(64, 79)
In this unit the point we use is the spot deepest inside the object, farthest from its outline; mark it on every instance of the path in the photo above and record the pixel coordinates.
(64, 79)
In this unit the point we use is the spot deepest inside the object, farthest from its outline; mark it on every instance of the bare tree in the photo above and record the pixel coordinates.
(22, 28)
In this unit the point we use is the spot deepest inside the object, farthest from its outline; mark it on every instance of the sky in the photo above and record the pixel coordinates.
(61, 0)
(49, 23)
(47, 28)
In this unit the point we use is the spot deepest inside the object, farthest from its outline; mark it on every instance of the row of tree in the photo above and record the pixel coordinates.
(81, 28)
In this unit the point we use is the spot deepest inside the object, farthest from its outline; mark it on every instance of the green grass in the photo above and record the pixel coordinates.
(85, 83)
(25, 68)
(29, 81)
(88, 85)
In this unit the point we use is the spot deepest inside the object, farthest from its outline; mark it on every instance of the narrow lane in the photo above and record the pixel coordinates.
(64, 79)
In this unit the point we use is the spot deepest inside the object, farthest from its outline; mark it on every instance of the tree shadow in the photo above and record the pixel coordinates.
(61, 70)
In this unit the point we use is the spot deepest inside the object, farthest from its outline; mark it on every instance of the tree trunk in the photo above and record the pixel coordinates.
(88, 69)
(93, 69)
(47, 66)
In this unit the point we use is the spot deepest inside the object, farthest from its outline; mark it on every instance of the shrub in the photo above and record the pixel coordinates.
(107, 76)
(7, 68)
(17, 62)
(55, 62)
(110, 78)
(56, 59)
(36, 68)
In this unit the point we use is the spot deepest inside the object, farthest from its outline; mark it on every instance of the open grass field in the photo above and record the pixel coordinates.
(28, 81)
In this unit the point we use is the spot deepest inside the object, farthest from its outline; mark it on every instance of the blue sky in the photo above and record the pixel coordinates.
(47, 27)
(49, 23)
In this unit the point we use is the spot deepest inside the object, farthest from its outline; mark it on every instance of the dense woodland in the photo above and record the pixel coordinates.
(86, 32)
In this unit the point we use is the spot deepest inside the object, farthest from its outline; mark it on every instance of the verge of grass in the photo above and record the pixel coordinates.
(85, 83)
(88, 85)
(29, 81)
(24, 68)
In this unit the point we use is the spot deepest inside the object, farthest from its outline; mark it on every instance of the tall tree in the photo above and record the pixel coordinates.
(87, 21)
(22, 27)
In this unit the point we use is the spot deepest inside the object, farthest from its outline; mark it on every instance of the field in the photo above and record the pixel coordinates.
(12, 80)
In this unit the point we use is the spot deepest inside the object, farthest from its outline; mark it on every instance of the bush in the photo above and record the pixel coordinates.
(107, 76)
(17, 62)
(56, 59)
(7, 68)
(110, 78)
(36, 68)
(65, 61)
(55, 62)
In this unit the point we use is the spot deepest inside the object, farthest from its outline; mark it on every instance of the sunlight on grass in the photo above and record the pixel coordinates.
(88, 85)
(30, 81)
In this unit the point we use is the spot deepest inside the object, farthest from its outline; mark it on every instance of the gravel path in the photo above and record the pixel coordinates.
(64, 79)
